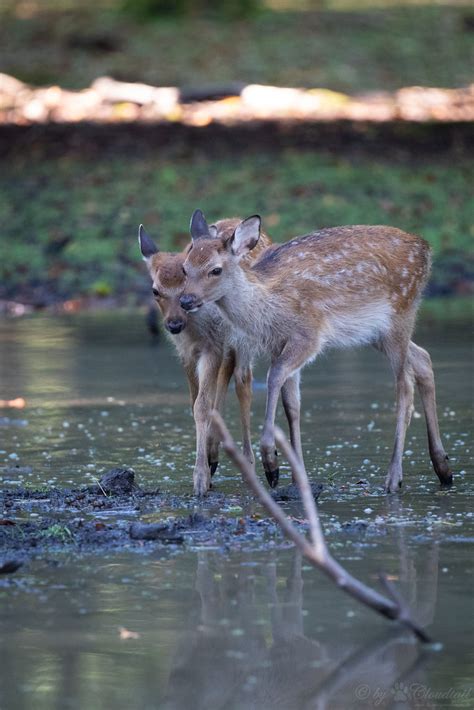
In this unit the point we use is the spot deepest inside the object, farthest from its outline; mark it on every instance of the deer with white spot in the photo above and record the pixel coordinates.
(335, 287)
(203, 344)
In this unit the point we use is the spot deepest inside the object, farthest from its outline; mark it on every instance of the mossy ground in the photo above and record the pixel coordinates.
(70, 223)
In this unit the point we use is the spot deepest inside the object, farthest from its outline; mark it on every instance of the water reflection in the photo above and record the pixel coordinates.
(231, 658)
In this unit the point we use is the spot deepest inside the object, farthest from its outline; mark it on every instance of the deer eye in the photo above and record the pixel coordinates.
(216, 272)
(156, 293)
(184, 271)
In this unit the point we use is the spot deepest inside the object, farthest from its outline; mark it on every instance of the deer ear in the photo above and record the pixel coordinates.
(198, 226)
(246, 235)
(147, 245)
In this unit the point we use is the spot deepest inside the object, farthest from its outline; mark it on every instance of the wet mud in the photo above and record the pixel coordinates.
(117, 514)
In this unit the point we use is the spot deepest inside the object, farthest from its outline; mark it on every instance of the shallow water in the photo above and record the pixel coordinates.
(234, 627)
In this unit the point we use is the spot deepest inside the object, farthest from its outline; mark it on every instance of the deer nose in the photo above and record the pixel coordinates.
(187, 302)
(175, 325)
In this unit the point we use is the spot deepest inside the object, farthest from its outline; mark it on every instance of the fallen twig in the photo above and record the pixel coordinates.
(100, 486)
(315, 549)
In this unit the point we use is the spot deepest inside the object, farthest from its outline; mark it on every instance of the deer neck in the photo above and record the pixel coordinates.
(247, 305)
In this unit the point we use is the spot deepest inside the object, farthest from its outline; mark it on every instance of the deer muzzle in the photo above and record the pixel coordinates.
(189, 303)
(175, 325)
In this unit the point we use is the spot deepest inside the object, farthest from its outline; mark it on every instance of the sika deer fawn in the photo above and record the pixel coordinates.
(202, 344)
(335, 287)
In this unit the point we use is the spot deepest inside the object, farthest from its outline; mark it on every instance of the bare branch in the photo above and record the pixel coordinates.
(262, 494)
(316, 551)
(404, 611)
(315, 530)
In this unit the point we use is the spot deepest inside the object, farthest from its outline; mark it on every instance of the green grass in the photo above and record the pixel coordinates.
(58, 532)
(451, 311)
(345, 46)
(71, 224)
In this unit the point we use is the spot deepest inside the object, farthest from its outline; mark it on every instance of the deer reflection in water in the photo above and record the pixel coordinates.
(235, 658)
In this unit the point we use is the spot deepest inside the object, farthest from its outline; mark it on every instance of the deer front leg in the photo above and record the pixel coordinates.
(290, 394)
(243, 388)
(208, 370)
(288, 364)
(226, 370)
(275, 380)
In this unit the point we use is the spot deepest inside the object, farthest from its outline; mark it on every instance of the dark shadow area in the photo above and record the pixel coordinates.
(404, 140)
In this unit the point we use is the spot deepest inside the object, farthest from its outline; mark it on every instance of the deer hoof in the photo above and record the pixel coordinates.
(201, 487)
(213, 467)
(441, 466)
(272, 477)
(392, 487)
(447, 481)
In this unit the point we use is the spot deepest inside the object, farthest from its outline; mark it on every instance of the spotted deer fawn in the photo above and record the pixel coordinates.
(203, 345)
(335, 287)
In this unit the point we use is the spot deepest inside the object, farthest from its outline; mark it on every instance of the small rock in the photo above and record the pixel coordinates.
(241, 527)
(155, 531)
(355, 526)
(196, 518)
(10, 566)
(118, 480)
(292, 492)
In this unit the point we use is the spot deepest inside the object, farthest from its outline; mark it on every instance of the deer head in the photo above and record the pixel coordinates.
(166, 271)
(211, 261)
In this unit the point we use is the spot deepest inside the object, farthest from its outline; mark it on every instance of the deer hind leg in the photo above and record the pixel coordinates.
(225, 373)
(420, 361)
(290, 394)
(395, 346)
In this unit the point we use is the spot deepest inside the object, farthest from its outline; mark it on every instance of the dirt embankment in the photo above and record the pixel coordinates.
(403, 139)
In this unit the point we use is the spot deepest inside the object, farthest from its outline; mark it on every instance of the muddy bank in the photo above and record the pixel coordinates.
(118, 514)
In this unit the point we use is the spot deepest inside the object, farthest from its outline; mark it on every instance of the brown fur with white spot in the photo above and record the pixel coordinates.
(335, 287)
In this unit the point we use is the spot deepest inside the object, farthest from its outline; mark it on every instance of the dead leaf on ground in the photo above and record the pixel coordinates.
(125, 634)
(18, 403)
